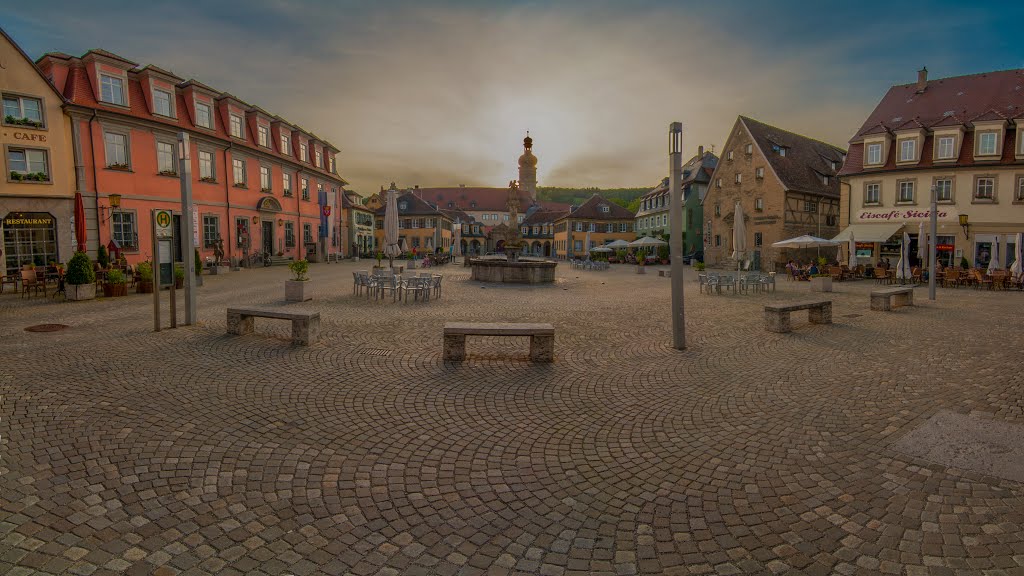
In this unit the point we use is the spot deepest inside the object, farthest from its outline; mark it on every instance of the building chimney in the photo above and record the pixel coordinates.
(922, 79)
(700, 151)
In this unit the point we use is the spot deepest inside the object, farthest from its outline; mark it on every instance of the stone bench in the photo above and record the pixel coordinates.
(776, 316)
(305, 325)
(542, 338)
(883, 299)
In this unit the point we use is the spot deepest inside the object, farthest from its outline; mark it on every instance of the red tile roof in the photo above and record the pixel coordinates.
(971, 97)
(806, 161)
(78, 91)
(855, 159)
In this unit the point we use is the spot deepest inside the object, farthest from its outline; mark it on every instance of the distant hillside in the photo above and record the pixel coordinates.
(627, 197)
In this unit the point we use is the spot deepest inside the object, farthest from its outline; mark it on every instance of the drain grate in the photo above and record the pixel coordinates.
(46, 328)
(376, 351)
(852, 315)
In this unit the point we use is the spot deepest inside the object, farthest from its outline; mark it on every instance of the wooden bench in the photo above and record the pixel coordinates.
(305, 325)
(542, 338)
(776, 316)
(883, 299)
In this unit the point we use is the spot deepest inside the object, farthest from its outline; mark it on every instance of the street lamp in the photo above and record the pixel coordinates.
(934, 226)
(675, 237)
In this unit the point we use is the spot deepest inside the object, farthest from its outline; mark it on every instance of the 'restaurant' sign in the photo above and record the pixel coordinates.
(903, 215)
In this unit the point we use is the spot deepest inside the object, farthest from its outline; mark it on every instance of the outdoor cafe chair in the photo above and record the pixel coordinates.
(437, 285)
(767, 280)
(11, 279)
(390, 283)
(418, 286)
(30, 282)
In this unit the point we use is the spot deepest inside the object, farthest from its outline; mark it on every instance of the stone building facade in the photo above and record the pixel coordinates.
(787, 186)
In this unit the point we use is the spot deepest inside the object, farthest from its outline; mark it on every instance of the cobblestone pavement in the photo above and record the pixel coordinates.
(190, 451)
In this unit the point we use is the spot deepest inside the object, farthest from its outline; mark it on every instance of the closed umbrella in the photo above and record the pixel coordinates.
(739, 236)
(586, 245)
(457, 239)
(922, 244)
(903, 266)
(993, 262)
(391, 247)
(1018, 266)
(80, 234)
(853, 253)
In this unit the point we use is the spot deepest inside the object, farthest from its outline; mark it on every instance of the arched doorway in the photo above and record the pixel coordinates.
(462, 246)
(547, 249)
(535, 248)
(476, 247)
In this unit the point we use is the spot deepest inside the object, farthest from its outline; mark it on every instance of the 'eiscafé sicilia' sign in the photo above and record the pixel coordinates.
(894, 215)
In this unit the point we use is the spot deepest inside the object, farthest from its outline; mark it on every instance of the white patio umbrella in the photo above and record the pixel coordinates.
(903, 266)
(391, 247)
(1018, 267)
(601, 249)
(429, 245)
(645, 242)
(617, 244)
(739, 236)
(804, 242)
(852, 264)
(457, 239)
(993, 262)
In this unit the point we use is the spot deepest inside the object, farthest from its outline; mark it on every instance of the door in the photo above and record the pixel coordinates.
(268, 237)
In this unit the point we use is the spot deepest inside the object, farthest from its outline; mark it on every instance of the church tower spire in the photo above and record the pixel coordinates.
(528, 168)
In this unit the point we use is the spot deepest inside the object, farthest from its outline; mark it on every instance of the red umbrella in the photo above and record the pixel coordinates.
(80, 221)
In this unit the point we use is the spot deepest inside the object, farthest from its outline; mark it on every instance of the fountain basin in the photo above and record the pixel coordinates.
(522, 271)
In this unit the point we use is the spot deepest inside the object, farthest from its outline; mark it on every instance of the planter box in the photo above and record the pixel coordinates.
(215, 270)
(81, 291)
(298, 290)
(821, 284)
(115, 290)
(144, 287)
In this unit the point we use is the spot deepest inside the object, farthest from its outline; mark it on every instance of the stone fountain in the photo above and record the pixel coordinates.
(511, 267)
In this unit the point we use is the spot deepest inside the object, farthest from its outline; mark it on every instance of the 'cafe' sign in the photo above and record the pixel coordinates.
(893, 215)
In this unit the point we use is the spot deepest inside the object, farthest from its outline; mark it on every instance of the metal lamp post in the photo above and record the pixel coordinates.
(187, 227)
(932, 248)
(675, 166)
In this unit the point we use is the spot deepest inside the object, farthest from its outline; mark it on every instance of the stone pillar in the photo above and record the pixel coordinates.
(454, 348)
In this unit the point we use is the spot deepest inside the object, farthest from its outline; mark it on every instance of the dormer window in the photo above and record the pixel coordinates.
(824, 180)
(944, 147)
(605, 208)
(874, 156)
(330, 163)
(204, 115)
(908, 150)
(112, 90)
(285, 143)
(834, 164)
(303, 152)
(403, 205)
(162, 103)
(236, 126)
(987, 143)
(264, 136)
(319, 159)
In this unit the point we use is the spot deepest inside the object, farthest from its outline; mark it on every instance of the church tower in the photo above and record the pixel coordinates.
(528, 169)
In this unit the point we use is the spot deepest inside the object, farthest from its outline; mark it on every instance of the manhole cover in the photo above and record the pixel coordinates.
(376, 352)
(852, 315)
(46, 328)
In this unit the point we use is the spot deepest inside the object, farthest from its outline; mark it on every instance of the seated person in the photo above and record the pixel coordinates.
(812, 270)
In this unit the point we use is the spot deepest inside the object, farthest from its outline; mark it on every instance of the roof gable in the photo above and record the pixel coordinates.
(805, 160)
(34, 66)
(595, 209)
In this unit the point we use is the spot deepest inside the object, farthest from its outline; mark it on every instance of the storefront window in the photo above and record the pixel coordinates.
(944, 247)
(29, 238)
(122, 229)
(982, 254)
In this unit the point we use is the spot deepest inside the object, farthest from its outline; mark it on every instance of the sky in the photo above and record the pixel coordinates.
(441, 93)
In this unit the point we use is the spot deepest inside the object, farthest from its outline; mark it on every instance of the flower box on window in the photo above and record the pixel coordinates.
(266, 190)
(30, 176)
(240, 185)
(208, 179)
(22, 122)
(167, 173)
(117, 166)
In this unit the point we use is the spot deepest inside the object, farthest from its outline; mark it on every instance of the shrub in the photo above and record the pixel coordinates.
(145, 269)
(179, 272)
(116, 277)
(663, 252)
(699, 266)
(964, 263)
(299, 268)
(80, 270)
(199, 263)
(102, 257)
(822, 261)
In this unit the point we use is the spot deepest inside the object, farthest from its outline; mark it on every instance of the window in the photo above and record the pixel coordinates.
(872, 193)
(1020, 188)
(304, 185)
(122, 228)
(23, 111)
(718, 209)
(307, 233)
(265, 178)
(830, 220)
(593, 227)
(605, 208)
(610, 228)
(749, 149)
(211, 230)
(759, 173)
(718, 183)
(718, 240)
(824, 180)
(577, 246)
(526, 230)
(116, 148)
(906, 192)
(289, 234)
(519, 218)
(263, 133)
(908, 150)
(319, 189)
(165, 158)
(238, 171)
(505, 217)
(757, 239)
(26, 164)
(579, 226)
(536, 230)
(162, 103)
(287, 184)
(944, 190)
(810, 206)
(944, 147)
(236, 126)
(624, 227)
(286, 147)
(112, 89)
(874, 154)
(319, 159)
(728, 155)
(303, 152)
(987, 143)
(330, 163)
(206, 166)
(204, 115)
(985, 189)
(759, 204)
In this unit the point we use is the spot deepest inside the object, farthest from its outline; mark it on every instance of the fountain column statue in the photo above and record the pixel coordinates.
(514, 243)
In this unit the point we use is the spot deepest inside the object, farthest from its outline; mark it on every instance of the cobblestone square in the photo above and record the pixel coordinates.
(192, 451)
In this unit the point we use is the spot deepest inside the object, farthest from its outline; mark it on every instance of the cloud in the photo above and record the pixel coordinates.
(442, 93)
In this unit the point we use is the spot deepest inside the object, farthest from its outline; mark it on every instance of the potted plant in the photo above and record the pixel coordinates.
(821, 283)
(964, 264)
(179, 277)
(116, 284)
(102, 258)
(699, 266)
(145, 284)
(298, 289)
(80, 280)
(663, 254)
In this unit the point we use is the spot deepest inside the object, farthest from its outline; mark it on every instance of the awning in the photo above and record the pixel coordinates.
(869, 232)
